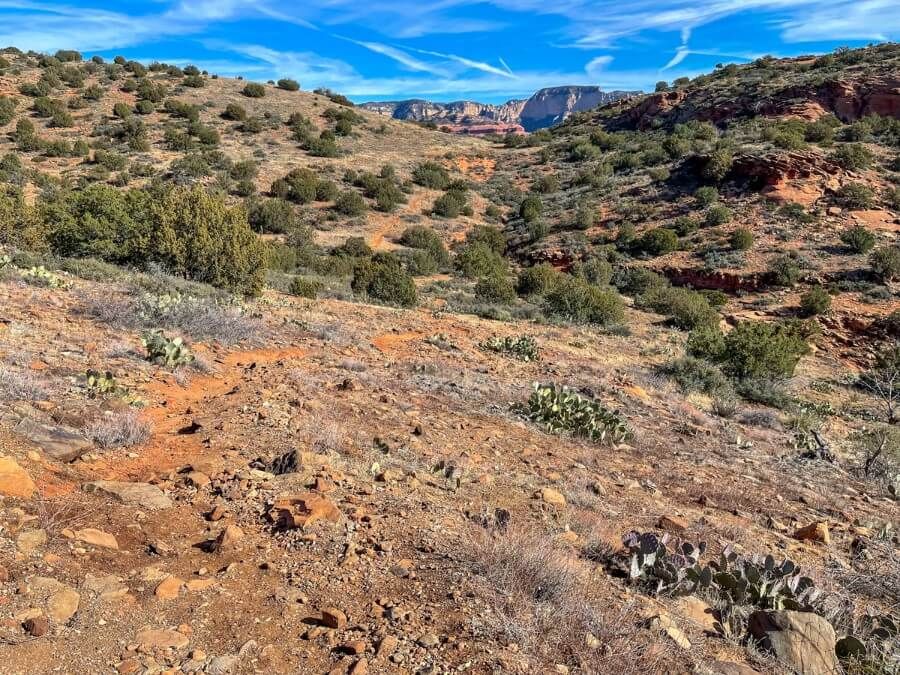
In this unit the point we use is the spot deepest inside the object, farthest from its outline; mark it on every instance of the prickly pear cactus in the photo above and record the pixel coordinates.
(559, 409)
(165, 351)
(522, 347)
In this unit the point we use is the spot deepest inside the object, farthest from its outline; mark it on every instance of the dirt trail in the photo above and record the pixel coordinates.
(479, 169)
(392, 224)
(171, 410)
(384, 343)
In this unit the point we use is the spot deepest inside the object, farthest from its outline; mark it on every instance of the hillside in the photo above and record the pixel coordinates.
(614, 396)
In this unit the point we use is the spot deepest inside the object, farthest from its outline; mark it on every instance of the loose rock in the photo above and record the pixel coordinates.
(14, 480)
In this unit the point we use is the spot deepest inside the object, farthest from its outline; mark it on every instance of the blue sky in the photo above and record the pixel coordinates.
(488, 50)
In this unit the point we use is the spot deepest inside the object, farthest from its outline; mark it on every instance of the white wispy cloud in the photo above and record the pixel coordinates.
(395, 30)
(401, 57)
(469, 63)
(597, 65)
(313, 71)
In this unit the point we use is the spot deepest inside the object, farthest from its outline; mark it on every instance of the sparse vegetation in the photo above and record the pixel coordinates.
(522, 347)
(559, 409)
(858, 239)
(576, 300)
(885, 263)
(253, 90)
(164, 351)
(382, 278)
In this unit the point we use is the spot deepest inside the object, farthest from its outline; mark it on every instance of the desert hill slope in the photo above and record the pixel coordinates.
(317, 391)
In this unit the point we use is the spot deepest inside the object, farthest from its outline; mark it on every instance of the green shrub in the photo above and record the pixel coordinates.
(273, 216)
(7, 110)
(796, 212)
(853, 157)
(676, 146)
(546, 184)
(855, 196)
(815, 301)
(181, 109)
(573, 299)
(192, 232)
(450, 204)
(194, 82)
(685, 225)
(585, 216)
(153, 92)
(594, 270)
(350, 203)
(758, 349)
(110, 160)
(326, 191)
(144, 107)
(68, 55)
(234, 112)
(858, 239)
(253, 90)
(717, 214)
(492, 237)
(531, 208)
(431, 175)
(693, 374)
(288, 84)
(297, 186)
(685, 308)
(885, 263)
(635, 281)
(784, 270)
(383, 278)
(583, 152)
(425, 238)
(305, 288)
(765, 391)
(477, 259)
(741, 239)
(717, 165)
(323, 146)
(354, 247)
(658, 241)
(892, 197)
(536, 280)
(706, 342)
(821, 131)
(706, 195)
(495, 288)
(418, 262)
(559, 409)
(343, 127)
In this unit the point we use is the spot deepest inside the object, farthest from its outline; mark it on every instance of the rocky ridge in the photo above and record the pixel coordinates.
(544, 108)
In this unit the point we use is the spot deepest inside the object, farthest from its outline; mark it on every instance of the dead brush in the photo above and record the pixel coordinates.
(199, 318)
(124, 429)
(550, 604)
(21, 386)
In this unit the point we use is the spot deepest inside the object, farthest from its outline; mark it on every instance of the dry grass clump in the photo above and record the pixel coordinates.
(549, 604)
(124, 429)
(20, 386)
(198, 318)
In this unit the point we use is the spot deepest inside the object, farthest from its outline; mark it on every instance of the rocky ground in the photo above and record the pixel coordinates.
(351, 490)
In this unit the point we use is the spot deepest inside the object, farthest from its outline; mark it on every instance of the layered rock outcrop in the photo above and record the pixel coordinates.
(544, 109)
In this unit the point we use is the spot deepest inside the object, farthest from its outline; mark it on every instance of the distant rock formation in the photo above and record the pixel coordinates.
(548, 107)
(544, 109)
